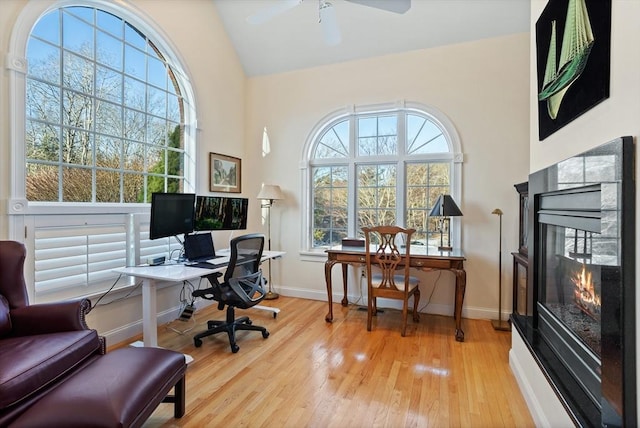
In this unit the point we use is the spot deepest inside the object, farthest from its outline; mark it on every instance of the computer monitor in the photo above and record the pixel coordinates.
(172, 214)
(221, 213)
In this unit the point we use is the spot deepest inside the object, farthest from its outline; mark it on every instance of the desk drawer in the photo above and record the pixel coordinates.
(433, 263)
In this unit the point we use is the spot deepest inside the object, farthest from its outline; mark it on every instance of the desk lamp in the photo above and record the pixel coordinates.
(444, 208)
(270, 193)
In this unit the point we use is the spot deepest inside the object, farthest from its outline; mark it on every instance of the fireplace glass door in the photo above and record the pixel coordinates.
(573, 283)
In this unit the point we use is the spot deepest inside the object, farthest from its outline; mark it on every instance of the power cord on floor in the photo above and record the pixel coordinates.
(361, 297)
(187, 307)
(435, 284)
(187, 301)
(193, 324)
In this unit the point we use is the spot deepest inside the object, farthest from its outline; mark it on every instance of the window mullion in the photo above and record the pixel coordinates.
(352, 205)
(401, 192)
(401, 178)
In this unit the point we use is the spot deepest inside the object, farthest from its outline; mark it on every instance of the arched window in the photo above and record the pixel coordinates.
(104, 111)
(103, 118)
(380, 165)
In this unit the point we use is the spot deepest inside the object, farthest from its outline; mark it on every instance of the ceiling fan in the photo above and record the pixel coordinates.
(327, 14)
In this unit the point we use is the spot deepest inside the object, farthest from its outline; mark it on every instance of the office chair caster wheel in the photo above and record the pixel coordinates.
(275, 314)
(265, 334)
(197, 342)
(235, 348)
(248, 322)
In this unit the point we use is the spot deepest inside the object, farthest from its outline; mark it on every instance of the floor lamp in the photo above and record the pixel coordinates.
(270, 193)
(499, 324)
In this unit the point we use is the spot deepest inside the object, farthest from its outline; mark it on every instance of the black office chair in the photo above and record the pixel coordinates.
(242, 287)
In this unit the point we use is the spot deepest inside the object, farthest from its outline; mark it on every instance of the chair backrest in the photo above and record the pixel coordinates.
(246, 252)
(382, 251)
(12, 285)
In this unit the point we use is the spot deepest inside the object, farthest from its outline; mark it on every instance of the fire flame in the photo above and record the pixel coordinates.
(585, 291)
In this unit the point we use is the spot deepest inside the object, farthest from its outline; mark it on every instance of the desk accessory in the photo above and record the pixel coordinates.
(156, 261)
(353, 242)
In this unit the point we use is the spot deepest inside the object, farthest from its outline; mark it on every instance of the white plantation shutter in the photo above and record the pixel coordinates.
(75, 255)
(78, 254)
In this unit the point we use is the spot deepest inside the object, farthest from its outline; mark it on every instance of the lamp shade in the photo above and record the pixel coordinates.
(445, 206)
(271, 192)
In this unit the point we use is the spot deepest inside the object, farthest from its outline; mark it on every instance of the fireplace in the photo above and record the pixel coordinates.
(582, 327)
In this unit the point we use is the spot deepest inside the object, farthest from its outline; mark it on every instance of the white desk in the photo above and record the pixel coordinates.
(169, 273)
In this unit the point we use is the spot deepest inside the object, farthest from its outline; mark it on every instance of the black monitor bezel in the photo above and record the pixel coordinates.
(157, 208)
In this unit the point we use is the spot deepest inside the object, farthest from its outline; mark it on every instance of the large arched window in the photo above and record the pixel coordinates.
(379, 165)
(104, 112)
(103, 118)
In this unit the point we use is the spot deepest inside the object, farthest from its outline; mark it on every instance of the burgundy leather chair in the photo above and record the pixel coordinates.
(54, 370)
(39, 344)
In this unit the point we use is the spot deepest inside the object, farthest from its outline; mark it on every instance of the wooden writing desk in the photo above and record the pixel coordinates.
(422, 257)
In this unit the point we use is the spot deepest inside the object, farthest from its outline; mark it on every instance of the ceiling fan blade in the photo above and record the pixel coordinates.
(268, 13)
(329, 23)
(396, 6)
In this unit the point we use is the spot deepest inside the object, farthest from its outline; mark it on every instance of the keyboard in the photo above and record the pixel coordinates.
(214, 263)
(205, 265)
(220, 260)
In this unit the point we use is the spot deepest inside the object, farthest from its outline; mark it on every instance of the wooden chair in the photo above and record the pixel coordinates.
(391, 279)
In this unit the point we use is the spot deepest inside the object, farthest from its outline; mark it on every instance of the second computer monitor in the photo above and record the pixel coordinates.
(221, 213)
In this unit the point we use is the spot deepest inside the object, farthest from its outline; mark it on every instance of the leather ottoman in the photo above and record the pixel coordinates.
(119, 389)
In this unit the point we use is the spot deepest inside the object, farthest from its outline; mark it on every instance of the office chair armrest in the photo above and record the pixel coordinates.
(211, 293)
(213, 278)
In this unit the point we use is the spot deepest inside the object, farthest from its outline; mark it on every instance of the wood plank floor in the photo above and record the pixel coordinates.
(309, 373)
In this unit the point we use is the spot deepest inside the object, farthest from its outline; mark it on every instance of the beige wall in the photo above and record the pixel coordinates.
(615, 117)
(481, 87)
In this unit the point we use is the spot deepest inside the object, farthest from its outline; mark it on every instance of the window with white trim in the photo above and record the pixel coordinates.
(103, 111)
(108, 120)
(378, 167)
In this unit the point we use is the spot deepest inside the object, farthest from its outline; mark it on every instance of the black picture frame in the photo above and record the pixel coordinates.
(591, 87)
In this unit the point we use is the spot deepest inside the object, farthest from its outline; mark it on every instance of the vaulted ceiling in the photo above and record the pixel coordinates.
(293, 39)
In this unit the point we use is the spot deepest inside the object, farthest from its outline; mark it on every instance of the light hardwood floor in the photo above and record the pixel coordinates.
(309, 373)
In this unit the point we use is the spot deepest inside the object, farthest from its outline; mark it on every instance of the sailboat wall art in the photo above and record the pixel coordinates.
(573, 46)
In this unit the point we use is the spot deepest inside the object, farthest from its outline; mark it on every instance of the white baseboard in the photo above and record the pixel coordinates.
(437, 309)
(127, 331)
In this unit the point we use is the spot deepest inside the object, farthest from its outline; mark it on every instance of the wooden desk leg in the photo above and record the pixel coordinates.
(345, 302)
(461, 285)
(327, 278)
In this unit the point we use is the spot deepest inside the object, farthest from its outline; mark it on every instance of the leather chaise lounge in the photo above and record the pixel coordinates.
(55, 371)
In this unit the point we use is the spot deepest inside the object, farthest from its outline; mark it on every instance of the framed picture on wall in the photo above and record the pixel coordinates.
(224, 173)
(573, 46)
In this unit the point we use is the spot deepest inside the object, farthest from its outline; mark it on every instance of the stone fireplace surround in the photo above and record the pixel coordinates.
(603, 391)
